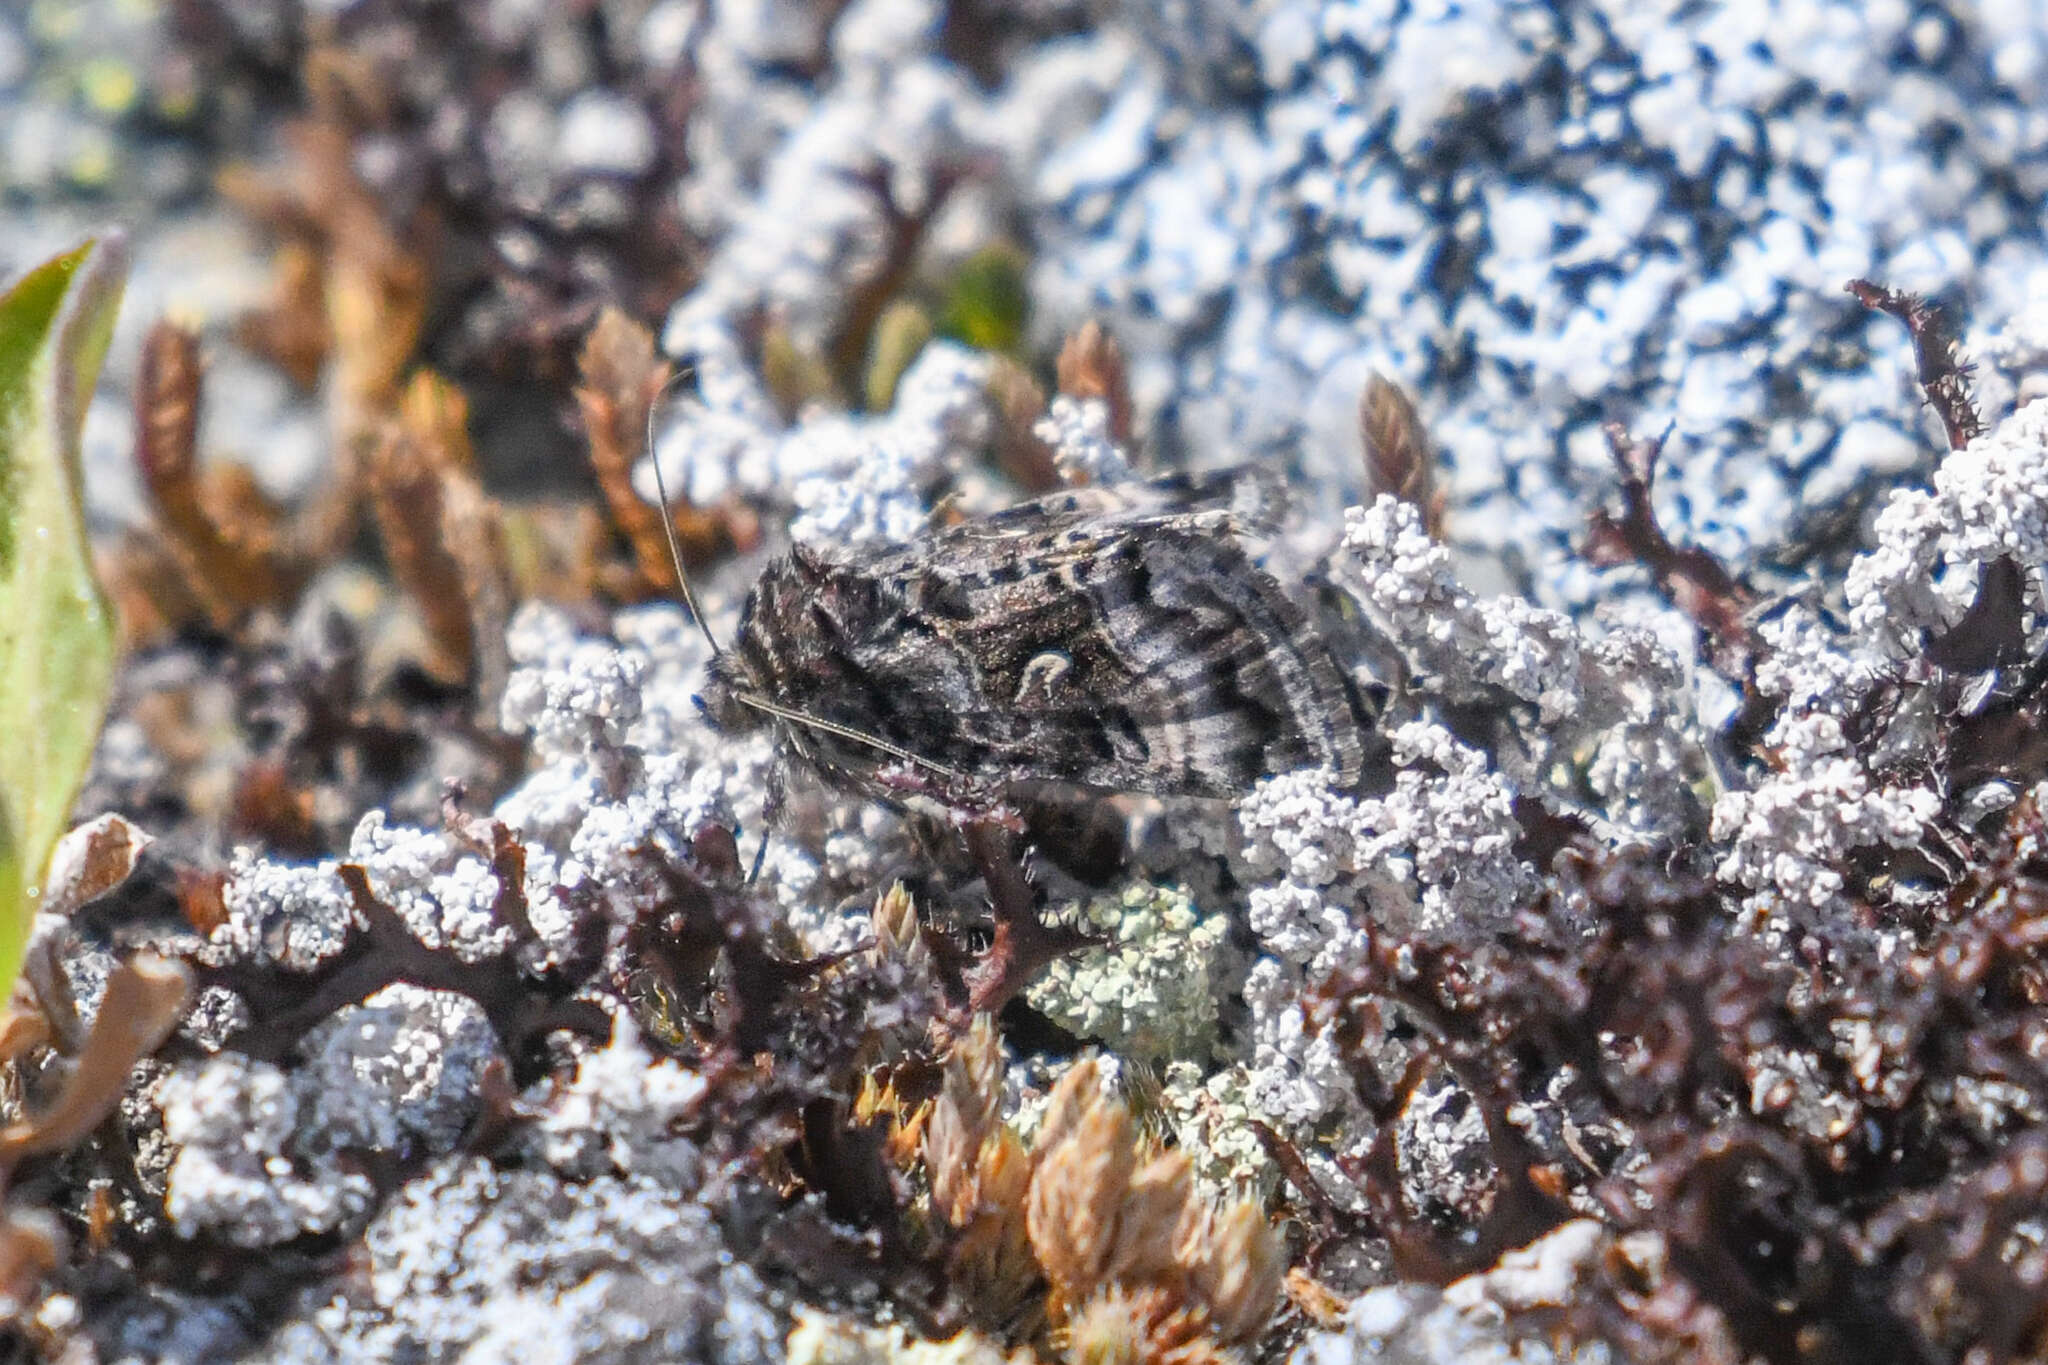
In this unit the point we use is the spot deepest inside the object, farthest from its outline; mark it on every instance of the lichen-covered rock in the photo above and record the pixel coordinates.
(472, 1261)
(262, 1155)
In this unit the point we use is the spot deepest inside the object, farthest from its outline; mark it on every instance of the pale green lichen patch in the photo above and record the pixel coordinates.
(1148, 991)
(1211, 1117)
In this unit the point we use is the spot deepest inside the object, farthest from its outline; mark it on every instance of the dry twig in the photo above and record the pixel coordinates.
(144, 999)
(1024, 943)
(1944, 376)
(438, 529)
(1690, 578)
(375, 287)
(1018, 404)
(219, 530)
(291, 329)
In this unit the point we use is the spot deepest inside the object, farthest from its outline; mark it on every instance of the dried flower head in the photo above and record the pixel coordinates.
(979, 1176)
(1398, 457)
(1124, 1236)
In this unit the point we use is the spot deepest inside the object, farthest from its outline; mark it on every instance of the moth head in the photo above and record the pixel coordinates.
(725, 682)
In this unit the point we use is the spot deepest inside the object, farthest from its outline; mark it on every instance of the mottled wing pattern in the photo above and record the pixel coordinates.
(1197, 675)
(1120, 639)
(1254, 499)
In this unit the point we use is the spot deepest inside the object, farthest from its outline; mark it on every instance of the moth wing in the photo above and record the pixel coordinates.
(1148, 654)
(1254, 498)
(1118, 637)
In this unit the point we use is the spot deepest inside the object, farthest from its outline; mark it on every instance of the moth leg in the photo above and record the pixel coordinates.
(772, 800)
(1024, 943)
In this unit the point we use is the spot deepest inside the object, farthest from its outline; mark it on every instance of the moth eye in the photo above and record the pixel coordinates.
(1042, 673)
(943, 597)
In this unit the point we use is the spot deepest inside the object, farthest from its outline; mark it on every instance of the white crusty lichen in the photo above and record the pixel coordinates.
(820, 1338)
(621, 778)
(1791, 833)
(1989, 502)
(1433, 859)
(569, 694)
(1150, 990)
(1468, 1320)
(231, 1121)
(1083, 450)
(1248, 150)
(1817, 675)
(260, 1154)
(446, 894)
(1613, 705)
(1299, 1077)
(859, 480)
(673, 795)
(1434, 856)
(621, 1114)
(589, 702)
(852, 478)
(473, 1262)
(297, 916)
(803, 187)
(288, 915)
(399, 1072)
(1789, 836)
(1785, 836)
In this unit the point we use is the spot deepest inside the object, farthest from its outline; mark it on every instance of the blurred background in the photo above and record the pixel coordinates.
(1535, 217)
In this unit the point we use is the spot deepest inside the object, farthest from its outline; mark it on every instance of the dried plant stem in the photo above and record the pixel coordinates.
(1024, 943)
(144, 999)
(903, 232)
(440, 532)
(406, 495)
(1944, 376)
(1690, 578)
(474, 535)
(228, 563)
(1019, 403)
(383, 951)
(622, 378)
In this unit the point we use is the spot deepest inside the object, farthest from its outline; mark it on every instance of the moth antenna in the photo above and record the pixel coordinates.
(795, 717)
(668, 521)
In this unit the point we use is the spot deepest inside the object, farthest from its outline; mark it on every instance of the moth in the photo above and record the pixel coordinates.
(1110, 638)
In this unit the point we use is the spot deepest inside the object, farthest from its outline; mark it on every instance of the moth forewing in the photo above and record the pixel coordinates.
(1116, 639)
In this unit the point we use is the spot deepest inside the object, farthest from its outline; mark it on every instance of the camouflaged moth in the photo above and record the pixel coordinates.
(1114, 638)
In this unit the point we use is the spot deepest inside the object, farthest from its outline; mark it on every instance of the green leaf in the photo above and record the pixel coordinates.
(986, 302)
(56, 630)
